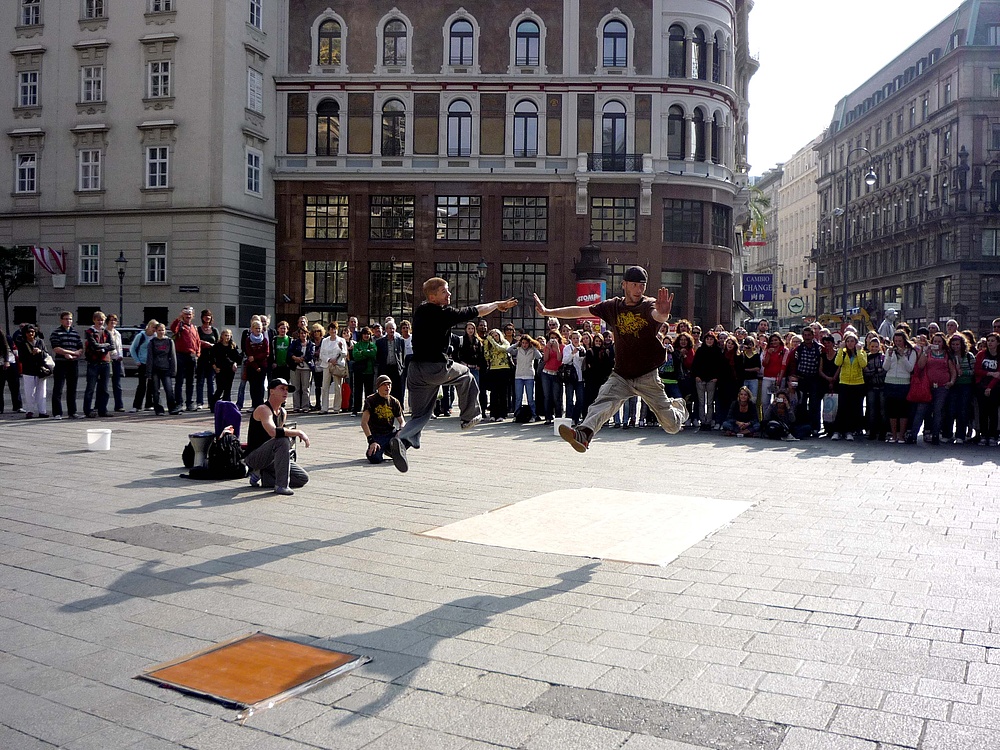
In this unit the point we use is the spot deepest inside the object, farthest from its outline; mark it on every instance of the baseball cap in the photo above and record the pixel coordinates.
(635, 273)
(280, 381)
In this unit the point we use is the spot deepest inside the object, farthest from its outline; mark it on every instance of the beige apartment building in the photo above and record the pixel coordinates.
(141, 130)
(795, 276)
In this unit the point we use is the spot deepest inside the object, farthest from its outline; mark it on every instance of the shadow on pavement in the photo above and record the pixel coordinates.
(152, 578)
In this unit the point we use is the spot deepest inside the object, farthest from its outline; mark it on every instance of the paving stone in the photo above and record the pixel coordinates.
(790, 710)
(560, 734)
(811, 739)
(874, 725)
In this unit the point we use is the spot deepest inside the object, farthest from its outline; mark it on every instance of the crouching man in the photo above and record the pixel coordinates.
(269, 444)
(382, 419)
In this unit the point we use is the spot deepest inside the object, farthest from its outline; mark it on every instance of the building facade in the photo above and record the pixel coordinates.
(488, 146)
(925, 237)
(142, 131)
(795, 280)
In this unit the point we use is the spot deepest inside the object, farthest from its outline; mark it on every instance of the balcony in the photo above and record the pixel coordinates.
(614, 163)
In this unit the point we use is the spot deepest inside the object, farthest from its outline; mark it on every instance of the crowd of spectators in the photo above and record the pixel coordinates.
(939, 385)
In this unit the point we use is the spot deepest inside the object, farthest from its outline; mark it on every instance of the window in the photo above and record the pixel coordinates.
(92, 83)
(93, 8)
(326, 282)
(675, 133)
(256, 15)
(993, 34)
(391, 217)
(525, 219)
(460, 47)
(989, 292)
(995, 77)
(944, 296)
(254, 158)
(255, 90)
(722, 222)
(394, 43)
(924, 109)
(613, 138)
(159, 79)
(156, 262)
(327, 217)
(31, 12)
(526, 44)
(947, 93)
(27, 90)
(615, 45)
(161, 6)
(946, 144)
(913, 115)
(526, 129)
(944, 248)
(717, 61)
(459, 128)
(698, 135)
(390, 290)
(612, 220)
(393, 128)
(27, 173)
(329, 43)
(682, 221)
(521, 280)
(89, 170)
(991, 243)
(676, 53)
(463, 282)
(328, 128)
(90, 264)
(157, 167)
(458, 217)
(699, 55)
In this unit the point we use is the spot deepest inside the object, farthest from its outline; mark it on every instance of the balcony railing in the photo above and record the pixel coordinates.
(614, 162)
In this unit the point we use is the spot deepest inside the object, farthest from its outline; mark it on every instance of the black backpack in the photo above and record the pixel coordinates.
(523, 414)
(225, 457)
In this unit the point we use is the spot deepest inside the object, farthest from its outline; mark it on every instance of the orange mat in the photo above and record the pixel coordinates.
(254, 671)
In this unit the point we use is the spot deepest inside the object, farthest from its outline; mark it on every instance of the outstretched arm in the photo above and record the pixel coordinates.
(502, 305)
(573, 311)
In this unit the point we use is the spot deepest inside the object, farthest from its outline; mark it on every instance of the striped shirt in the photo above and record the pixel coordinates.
(65, 338)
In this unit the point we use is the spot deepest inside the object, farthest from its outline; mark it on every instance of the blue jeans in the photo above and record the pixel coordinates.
(184, 382)
(574, 400)
(522, 385)
(628, 410)
(205, 374)
(98, 375)
(380, 442)
(552, 391)
(936, 411)
(959, 407)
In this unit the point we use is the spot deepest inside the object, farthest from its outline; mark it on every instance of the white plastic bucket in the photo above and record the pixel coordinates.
(98, 440)
(560, 421)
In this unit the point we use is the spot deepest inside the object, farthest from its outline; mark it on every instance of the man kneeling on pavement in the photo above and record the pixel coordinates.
(381, 412)
(269, 444)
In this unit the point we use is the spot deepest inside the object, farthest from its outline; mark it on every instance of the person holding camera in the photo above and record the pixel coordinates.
(851, 360)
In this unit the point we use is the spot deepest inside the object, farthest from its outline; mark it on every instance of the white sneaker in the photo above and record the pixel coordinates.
(132, 410)
(791, 439)
(835, 436)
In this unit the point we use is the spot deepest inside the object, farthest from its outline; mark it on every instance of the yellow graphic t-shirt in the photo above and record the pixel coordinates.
(637, 350)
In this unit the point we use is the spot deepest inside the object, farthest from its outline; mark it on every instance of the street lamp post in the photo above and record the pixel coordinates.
(121, 261)
(870, 180)
(481, 272)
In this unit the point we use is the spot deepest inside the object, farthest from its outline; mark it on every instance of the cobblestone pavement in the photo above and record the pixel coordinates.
(852, 608)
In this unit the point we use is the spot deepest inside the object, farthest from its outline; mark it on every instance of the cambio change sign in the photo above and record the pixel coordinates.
(758, 287)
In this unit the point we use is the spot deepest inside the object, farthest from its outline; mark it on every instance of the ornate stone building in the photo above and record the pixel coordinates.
(488, 144)
(925, 237)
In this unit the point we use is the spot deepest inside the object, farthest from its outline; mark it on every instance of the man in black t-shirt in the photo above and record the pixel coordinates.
(430, 368)
(635, 320)
(382, 411)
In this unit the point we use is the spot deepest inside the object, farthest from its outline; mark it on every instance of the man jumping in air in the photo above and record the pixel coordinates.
(635, 320)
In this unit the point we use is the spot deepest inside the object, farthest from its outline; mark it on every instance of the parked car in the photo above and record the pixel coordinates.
(128, 334)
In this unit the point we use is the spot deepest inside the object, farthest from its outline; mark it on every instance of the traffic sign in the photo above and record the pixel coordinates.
(796, 305)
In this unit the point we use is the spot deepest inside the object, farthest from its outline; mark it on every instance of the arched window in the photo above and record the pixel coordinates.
(675, 133)
(526, 129)
(393, 128)
(615, 45)
(717, 50)
(460, 43)
(716, 139)
(526, 43)
(394, 43)
(613, 139)
(459, 128)
(329, 43)
(328, 128)
(676, 53)
(699, 56)
(698, 135)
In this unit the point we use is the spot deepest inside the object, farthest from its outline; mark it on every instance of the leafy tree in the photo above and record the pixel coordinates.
(15, 272)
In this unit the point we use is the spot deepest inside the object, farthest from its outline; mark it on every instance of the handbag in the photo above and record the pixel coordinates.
(337, 369)
(830, 404)
(48, 365)
(566, 373)
(920, 388)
